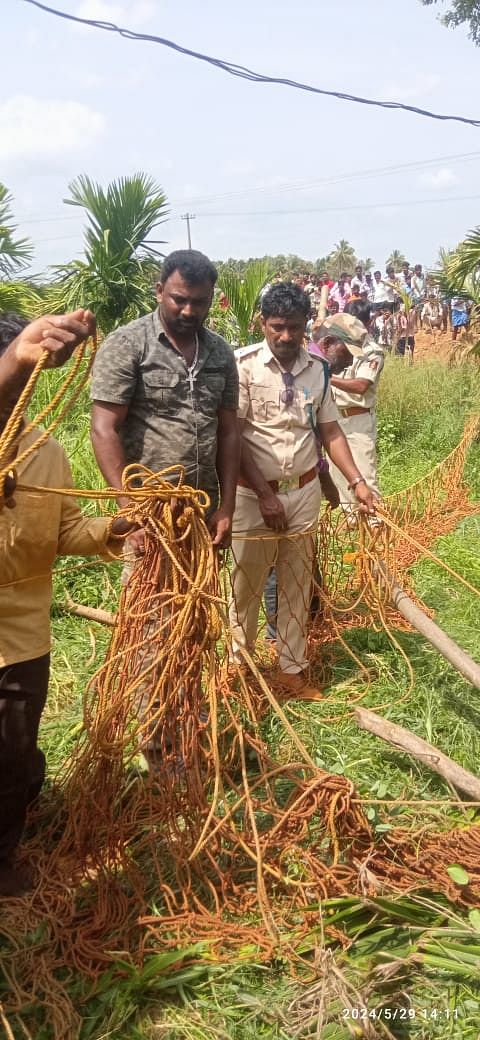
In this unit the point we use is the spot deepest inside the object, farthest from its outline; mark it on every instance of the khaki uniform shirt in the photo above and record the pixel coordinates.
(280, 436)
(367, 367)
(171, 418)
(39, 528)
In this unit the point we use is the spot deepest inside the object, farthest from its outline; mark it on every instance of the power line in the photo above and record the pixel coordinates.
(387, 203)
(245, 73)
(344, 209)
(45, 220)
(381, 171)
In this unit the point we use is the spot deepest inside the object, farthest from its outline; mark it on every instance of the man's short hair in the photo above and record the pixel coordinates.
(11, 325)
(360, 309)
(285, 299)
(194, 267)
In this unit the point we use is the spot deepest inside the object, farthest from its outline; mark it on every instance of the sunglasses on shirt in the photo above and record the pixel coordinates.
(287, 394)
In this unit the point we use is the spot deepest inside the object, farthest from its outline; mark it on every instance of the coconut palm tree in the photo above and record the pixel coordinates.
(20, 297)
(342, 258)
(458, 274)
(15, 253)
(463, 264)
(115, 278)
(243, 296)
(367, 264)
(396, 259)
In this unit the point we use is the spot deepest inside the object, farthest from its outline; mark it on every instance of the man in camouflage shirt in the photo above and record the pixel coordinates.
(165, 391)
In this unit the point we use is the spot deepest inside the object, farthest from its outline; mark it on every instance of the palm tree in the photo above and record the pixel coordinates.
(243, 296)
(396, 259)
(367, 264)
(15, 253)
(463, 264)
(115, 279)
(20, 297)
(342, 258)
(458, 274)
(321, 264)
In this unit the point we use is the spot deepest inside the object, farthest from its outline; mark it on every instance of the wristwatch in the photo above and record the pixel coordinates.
(358, 480)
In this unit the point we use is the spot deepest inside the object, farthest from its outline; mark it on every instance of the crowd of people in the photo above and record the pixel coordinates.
(265, 430)
(401, 302)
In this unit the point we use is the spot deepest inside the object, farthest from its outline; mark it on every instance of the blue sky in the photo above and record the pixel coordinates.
(264, 168)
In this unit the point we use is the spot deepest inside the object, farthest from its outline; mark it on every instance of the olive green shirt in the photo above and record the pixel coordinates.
(172, 416)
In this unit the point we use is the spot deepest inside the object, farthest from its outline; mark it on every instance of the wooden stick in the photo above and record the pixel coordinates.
(446, 646)
(407, 741)
(323, 306)
(104, 617)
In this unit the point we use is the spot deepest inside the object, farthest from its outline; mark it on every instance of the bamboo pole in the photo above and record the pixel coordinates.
(407, 741)
(104, 617)
(322, 310)
(435, 635)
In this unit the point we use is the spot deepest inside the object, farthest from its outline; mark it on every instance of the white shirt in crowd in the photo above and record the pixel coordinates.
(383, 293)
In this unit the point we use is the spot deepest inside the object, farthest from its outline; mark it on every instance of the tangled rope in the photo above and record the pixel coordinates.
(214, 841)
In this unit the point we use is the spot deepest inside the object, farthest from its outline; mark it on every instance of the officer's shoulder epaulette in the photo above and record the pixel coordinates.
(242, 352)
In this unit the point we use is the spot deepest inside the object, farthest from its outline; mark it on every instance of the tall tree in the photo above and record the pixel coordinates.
(461, 12)
(342, 258)
(21, 297)
(458, 274)
(396, 259)
(367, 264)
(321, 265)
(115, 278)
(243, 296)
(15, 253)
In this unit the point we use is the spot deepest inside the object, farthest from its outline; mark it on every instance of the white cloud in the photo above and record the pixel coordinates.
(442, 178)
(90, 80)
(31, 128)
(129, 16)
(412, 89)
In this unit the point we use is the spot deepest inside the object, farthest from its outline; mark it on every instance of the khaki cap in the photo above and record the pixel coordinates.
(347, 329)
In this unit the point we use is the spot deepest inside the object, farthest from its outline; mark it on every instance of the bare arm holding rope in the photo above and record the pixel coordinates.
(57, 334)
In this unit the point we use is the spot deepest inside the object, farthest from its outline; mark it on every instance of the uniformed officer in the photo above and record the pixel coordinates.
(356, 362)
(282, 406)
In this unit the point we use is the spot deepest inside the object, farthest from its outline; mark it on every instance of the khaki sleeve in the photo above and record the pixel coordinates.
(243, 394)
(328, 411)
(81, 535)
(370, 368)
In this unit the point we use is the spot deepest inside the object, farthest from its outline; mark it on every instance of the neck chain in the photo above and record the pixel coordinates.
(191, 368)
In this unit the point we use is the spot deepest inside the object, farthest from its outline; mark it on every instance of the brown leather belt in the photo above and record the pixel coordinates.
(353, 410)
(291, 483)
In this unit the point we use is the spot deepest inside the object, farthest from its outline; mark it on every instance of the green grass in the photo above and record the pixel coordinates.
(422, 411)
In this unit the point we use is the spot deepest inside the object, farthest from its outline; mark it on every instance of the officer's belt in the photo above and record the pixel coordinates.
(290, 484)
(354, 410)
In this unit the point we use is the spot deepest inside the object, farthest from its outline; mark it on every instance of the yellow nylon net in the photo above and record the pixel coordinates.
(218, 842)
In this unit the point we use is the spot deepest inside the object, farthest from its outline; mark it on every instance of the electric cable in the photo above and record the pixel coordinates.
(245, 73)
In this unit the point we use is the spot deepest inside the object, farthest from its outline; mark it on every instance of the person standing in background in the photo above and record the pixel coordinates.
(356, 363)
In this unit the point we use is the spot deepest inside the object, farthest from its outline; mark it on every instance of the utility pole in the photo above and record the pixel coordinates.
(188, 217)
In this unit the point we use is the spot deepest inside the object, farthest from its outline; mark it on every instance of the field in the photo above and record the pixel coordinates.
(391, 952)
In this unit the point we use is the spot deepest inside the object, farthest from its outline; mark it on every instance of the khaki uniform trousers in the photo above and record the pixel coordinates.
(292, 554)
(361, 434)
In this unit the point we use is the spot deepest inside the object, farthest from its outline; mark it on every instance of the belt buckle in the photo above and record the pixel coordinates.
(288, 484)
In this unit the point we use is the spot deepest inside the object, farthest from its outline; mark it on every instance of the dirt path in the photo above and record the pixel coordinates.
(440, 346)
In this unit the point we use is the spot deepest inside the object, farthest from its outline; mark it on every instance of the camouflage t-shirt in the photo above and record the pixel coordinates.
(171, 418)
